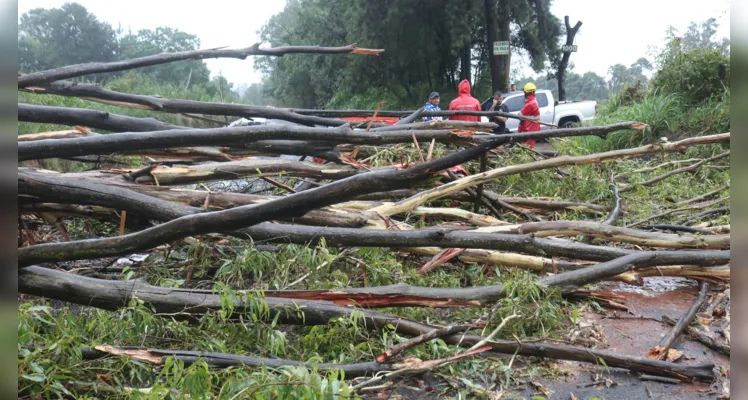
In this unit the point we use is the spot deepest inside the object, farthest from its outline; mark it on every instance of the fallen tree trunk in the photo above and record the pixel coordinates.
(182, 175)
(223, 360)
(468, 181)
(617, 234)
(95, 92)
(133, 141)
(62, 190)
(111, 295)
(294, 205)
(130, 141)
(53, 189)
(518, 201)
(90, 118)
(71, 71)
(715, 274)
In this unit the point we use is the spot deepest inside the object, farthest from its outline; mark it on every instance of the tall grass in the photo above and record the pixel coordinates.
(667, 115)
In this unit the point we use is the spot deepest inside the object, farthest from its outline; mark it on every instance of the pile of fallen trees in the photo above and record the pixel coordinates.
(351, 204)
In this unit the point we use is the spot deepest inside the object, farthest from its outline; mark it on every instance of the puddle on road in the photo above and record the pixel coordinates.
(627, 334)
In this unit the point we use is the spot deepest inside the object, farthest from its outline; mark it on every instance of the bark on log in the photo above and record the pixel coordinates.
(112, 295)
(182, 175)
(71, 71)
(410, 118)
(294, 205)
(90, 118)
(468, 181)
(224, 360)
(662, 349)
(676, 228)
(618, 234)
(95, 92)
(712, 274)
(518, 201)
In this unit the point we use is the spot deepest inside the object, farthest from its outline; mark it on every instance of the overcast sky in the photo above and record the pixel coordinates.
(613, 31)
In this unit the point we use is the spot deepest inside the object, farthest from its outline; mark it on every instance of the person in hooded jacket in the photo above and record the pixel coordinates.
(530, 109)
(465, 101)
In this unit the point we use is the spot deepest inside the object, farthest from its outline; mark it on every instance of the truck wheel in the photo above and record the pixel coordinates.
(568, 124)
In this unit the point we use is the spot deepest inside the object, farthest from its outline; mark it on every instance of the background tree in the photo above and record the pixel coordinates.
(571, 32)
(164, 39)
(50, 38)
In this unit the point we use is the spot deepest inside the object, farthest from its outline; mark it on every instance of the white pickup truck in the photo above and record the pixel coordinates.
(563, 114)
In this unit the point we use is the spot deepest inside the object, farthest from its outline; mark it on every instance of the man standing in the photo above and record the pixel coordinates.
(498, 105)
(530, 109)
(513, 88)
(432, 105)
(465, 102)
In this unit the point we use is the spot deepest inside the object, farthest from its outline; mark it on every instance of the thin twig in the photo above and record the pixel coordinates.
(436, 333)
(278, 184)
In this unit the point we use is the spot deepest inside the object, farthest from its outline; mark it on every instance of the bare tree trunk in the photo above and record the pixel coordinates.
(492, 35)
(465, 63)
(504, 62)
(561, 74)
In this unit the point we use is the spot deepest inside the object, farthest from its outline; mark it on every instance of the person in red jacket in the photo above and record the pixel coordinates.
(465, 101)
(530, 109)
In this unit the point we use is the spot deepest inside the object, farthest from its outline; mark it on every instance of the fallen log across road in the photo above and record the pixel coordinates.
(112, 295)
(294, 205)
(54, 189)
(132, 141)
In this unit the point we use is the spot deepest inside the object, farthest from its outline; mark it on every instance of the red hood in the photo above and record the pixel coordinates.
(464, 88)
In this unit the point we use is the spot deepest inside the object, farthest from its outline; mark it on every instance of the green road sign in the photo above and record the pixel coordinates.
(501, 48)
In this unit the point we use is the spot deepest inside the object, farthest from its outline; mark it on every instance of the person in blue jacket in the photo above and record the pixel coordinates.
(432, 105)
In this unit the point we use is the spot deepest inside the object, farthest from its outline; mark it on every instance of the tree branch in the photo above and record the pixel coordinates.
(468, 181)
(662, 349)
(72, 71)
(294, 205)
(111, 295)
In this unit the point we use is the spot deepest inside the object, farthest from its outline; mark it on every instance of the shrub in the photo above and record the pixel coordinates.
(695, 75)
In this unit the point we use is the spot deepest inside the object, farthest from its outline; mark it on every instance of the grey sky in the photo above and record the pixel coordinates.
(613, 31)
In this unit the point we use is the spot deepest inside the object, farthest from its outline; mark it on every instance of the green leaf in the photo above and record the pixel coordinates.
(35, 378)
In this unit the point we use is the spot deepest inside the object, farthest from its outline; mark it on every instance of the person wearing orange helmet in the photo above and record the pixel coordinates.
(530, 109)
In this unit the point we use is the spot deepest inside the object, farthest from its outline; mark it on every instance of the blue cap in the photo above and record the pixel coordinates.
(433, 94)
